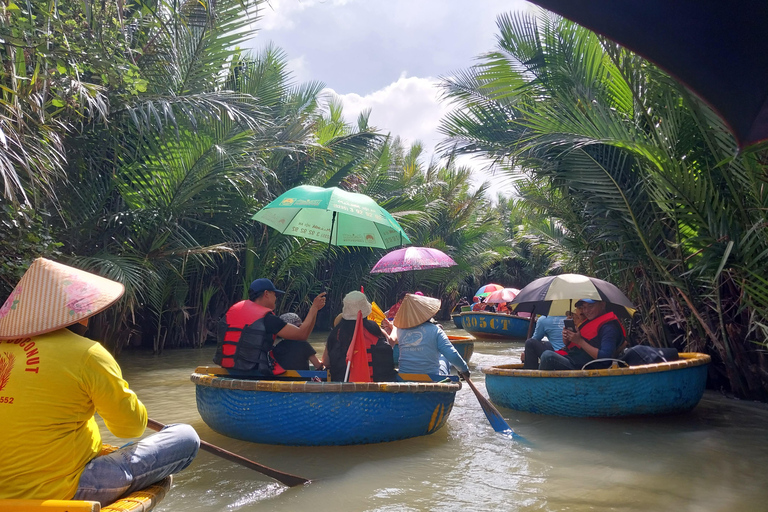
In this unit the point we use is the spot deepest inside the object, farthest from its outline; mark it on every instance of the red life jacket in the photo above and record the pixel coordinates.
(243, 341)
(590, 329)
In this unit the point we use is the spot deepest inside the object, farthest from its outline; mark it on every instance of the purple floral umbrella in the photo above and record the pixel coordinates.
(412, 258)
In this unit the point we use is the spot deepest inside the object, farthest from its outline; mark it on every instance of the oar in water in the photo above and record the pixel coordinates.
(495, 418)
(284, 478)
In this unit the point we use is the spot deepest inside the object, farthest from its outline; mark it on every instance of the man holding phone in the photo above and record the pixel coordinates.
(550, 327)
(600, 337)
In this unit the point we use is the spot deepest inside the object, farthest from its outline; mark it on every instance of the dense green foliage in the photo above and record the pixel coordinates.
(148, 140)
(643, 184)
(138, 140)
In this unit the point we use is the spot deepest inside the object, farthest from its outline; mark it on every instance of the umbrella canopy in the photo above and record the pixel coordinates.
(554, 295)
(412, 258)
(487, 289)
(502, 296)
(334, 216)
(717, 49)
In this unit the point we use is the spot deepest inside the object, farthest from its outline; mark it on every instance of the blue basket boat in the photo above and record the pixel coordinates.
(322, 413)
(503, 327)
(456, 317)
(662, 388)
(464, 345)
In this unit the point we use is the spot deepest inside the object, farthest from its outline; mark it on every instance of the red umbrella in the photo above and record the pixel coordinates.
(412, 258)
(502, 296)
(488, 289)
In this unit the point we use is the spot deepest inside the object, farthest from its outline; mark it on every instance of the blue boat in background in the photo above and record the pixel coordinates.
(484, 324)
(311, 413)
(661, 388)
(456, 317)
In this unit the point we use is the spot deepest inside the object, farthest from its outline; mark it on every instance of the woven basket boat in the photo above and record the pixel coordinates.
(142, 500)
(321, 413)
(496, 326)
(465, 345)
(662, 388)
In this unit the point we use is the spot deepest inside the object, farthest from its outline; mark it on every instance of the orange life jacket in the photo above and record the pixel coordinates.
(590, 329)
(243, 341)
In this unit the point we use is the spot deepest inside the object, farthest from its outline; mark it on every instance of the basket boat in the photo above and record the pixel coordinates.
(499, 326)
(661, 388)
(456, 317)
(143, 500)
(465, 345)
(322, 413)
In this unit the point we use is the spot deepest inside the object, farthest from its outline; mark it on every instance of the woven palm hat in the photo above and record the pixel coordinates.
(353, 302)
(51, 296)
(415, 310)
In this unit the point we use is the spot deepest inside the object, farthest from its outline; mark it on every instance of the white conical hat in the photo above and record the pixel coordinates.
(415, 310)
(51, 296)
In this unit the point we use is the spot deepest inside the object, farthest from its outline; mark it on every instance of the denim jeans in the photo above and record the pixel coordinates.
(138, 465)
(551, 360)
(533, 350)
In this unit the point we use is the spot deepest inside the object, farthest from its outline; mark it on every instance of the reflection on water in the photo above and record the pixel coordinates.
(712, 459)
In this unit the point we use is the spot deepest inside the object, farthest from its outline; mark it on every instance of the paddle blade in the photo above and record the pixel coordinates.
(495, 418)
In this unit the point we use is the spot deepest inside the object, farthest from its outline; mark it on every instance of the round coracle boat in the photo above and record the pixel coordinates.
(322, 413)
(495, 326)
(661, 388)
(464, 345)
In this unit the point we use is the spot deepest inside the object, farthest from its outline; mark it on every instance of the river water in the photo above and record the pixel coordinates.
(714, 458)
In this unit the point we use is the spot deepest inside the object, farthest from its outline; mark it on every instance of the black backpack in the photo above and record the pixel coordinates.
(643, 354)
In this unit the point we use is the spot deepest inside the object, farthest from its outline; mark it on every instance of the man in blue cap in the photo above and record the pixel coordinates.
(247, 332)
(600, 337)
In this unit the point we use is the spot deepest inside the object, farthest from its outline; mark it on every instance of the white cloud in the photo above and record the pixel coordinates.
(408, 108)
(281, 14)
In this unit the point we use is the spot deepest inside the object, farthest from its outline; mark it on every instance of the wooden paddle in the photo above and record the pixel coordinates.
(495, 418)
(284, 478)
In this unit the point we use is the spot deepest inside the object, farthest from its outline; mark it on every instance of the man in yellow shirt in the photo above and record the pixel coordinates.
(52, 381)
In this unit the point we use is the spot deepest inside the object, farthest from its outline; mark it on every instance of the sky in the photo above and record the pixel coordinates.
(386, 55)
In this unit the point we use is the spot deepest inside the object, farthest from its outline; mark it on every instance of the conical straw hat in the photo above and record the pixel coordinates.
(51, 296)
(415, 310)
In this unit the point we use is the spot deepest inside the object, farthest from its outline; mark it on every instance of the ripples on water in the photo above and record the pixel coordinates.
(712, 459)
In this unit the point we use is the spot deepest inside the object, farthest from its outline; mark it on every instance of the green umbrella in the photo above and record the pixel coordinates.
(334, 216)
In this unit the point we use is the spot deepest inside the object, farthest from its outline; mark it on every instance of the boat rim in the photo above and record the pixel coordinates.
(505, 315)
(687, 360)
(218, 381)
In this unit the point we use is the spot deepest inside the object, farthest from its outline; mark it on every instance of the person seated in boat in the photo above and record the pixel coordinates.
(424, 346)
(502, 308)
(53, 380)
(378, 342)
(295, 354)
(392, 311)
(549, 327)
(577, 316)
(599, 337)
(477, 303)
(246, 333)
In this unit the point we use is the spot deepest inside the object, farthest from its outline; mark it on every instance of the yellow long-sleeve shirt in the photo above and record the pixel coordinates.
(50, 387)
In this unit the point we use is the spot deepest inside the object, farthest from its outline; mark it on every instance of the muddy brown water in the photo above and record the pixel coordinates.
(714, 458)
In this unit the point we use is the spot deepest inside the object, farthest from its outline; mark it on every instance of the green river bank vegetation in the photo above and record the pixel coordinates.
(138, 139)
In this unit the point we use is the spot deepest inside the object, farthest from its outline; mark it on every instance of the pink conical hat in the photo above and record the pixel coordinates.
(51, 296)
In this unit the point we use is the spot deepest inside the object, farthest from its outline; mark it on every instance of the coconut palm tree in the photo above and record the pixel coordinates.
(642, 177)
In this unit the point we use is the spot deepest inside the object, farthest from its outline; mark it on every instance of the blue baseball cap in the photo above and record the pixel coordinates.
(586, 301)
(260, 285)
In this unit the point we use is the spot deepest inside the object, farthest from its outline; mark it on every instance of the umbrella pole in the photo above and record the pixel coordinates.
(327, 280)
(531, 321)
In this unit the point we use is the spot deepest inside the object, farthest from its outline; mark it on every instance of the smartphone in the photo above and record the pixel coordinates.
(570, 324)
